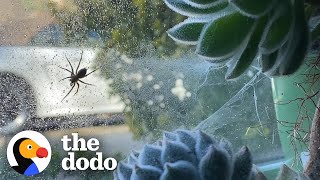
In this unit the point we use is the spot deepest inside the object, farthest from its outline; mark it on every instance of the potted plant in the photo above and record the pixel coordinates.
(278, 35)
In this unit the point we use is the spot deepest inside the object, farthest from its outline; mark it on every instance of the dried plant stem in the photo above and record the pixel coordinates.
(313, 166)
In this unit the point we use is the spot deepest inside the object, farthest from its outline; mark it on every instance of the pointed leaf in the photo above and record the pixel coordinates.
(295, 52)
(186, 32)
(268, 62)
(257, 174)
(216, 164)
(179, 170)
(132, 159)
(181, 7)
(277, 31)
(175, 151)
(253, 7)
(141, 172)
(240, 64)
(169, 136)
(287, 173)
(242, 164)
(135, 153)
(225, 144)
(314, 24)
(187, 138)
(203, 142)
(115, 175)
(124, 171)
(201, 3)
(150, 155)
(223, 36)
(218, 62)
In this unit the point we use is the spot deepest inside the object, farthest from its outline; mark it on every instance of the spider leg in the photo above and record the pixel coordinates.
(79, 62)
(92, 71)
(66, 69)
(86, 83)
(69, 64)
(77, 88)
(65, 78)
(68, 92)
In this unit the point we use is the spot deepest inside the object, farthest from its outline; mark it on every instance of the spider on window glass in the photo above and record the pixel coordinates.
(76, 76)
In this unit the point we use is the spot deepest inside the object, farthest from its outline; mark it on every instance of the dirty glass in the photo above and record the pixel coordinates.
(142, 82)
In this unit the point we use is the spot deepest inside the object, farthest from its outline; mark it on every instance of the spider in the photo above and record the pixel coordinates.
(75, 77)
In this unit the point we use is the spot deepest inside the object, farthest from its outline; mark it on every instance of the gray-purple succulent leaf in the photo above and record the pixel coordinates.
(175, 151)
(187, 138)
(242, 164)
(286, 173)
(151, 155)
(191, 155)
(132, 159)
(256, 174)
(169, 136)
(180, 170)
(135, 153)
(159, 143)
(141, 172)
(115, 175)
(216, 164)
(203, 142)
(124, 171)
(226, 145)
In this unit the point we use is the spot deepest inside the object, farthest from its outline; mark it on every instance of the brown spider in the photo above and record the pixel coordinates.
(75, 77)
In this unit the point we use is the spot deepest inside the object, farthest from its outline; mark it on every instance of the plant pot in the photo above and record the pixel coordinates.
(294, 111)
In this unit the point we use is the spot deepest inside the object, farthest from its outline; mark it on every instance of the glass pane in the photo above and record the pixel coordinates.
(107, 69)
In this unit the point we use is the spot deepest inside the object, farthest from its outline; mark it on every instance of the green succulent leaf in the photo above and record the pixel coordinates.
(253, 8)
(268, 61)
(223, 36)
(299, 41)
(219, 62)
(309, 11)
(240, 64)
(315, 33)
(186, 32)
(201, 2)
(277, 30)
(181, 7)
(314, 24)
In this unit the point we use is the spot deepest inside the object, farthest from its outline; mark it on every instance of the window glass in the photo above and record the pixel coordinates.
(142, 82)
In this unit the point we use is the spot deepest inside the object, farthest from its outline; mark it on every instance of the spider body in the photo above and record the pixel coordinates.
(82, 73)
(76, 76)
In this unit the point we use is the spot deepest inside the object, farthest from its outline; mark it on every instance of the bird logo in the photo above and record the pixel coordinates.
(29, 153)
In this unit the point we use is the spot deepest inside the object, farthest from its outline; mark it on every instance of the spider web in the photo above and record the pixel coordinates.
(247, 117)
(237, 102)
(168, 93)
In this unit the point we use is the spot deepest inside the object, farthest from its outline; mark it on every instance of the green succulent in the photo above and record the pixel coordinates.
(188, 155)
(236, 32)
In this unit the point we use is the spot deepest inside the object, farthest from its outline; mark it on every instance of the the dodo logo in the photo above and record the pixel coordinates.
(29, 153)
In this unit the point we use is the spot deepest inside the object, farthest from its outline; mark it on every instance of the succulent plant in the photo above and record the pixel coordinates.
(188, 155)
(286, 173)
(236, 32)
